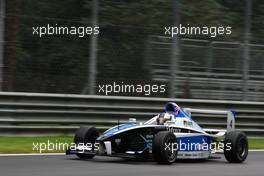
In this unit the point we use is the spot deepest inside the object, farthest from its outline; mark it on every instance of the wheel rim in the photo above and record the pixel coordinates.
(242, 148)
(170, 153)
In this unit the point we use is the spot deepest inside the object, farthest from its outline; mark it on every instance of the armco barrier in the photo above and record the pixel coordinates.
(34, 113)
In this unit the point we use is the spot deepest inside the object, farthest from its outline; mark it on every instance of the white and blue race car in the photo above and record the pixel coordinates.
(171, 135)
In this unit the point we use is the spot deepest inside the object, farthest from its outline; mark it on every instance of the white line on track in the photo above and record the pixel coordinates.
(57, 154)
(32, 154)
(257, 150)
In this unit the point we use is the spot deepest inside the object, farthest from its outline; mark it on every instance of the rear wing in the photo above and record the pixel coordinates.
(230, 115)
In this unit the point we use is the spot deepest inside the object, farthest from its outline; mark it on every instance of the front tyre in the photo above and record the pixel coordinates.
(83, 136)
(164, 151)
(236, 147)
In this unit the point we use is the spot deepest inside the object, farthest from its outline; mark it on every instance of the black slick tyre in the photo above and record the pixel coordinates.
(236, 147)
(163, 147)
(83, 136)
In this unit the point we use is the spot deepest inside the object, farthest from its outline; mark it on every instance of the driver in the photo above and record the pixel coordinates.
(171, 111)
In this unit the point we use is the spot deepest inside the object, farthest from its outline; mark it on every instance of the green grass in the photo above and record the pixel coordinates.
(256, 143)
(25, 144)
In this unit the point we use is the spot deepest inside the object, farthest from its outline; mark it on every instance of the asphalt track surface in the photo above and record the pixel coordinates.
(105, 166)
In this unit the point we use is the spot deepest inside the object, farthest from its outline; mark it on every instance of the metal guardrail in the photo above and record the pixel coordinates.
(34, 113)
(217, 85)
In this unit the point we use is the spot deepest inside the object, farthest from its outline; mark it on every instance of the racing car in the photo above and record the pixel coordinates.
(168, 136)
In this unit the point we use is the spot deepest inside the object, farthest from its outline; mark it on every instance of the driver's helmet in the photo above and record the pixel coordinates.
(171, 111)
(172, 108)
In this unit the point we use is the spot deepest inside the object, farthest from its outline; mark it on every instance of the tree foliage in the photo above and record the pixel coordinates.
(60, 63)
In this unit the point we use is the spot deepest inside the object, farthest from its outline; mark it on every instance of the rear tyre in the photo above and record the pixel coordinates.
(85, 135)
(163, 147)
(236, 147)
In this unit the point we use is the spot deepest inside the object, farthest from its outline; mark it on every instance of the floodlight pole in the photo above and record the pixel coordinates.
(175, 51)
(93, 53)
(2, 37)
(246, 50)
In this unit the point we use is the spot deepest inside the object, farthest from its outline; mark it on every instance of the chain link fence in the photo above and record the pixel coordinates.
(208, 69)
